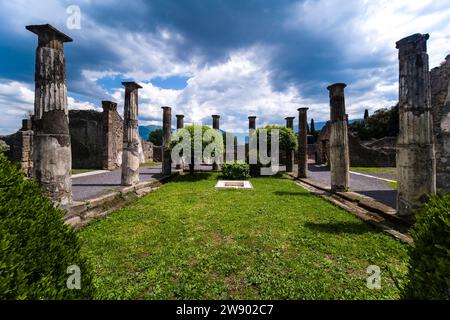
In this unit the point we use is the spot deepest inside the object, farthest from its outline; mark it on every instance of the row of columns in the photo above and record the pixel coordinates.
(415, 150)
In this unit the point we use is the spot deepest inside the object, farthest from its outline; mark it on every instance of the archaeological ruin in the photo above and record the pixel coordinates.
(56, 140)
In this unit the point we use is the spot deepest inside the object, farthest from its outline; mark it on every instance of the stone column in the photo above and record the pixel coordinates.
(416, 168)
(130, 153)
(109, 146)
(180, 125)
(251, 130)
(216, 126)
(252, 123)
(302, 143)
(339, 157)
(52, 156)
(290, 153)
(167, 131)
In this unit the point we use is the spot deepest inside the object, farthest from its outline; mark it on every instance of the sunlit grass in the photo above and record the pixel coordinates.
(188, 240)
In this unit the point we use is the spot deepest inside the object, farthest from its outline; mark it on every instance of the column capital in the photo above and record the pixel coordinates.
(415, 42)
(47, 33)
(215, 116)
(131, 85)
(165, 108)
(252, 117)
(336, 87)
(302, 109)
(289, 118)
(180, 116)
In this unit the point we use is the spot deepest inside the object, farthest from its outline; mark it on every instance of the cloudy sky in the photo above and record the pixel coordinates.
(227, 57)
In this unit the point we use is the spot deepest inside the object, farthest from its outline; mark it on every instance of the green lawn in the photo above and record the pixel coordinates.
(190, 241)
(149, 164)
(375, 170)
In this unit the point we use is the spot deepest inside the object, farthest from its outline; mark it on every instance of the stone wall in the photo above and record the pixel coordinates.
(96, 141)
(375, 154)
(21, 147)
(440, 105)
(87, 139)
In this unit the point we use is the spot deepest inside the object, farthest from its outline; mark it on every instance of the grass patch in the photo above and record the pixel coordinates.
(77, 171)
(375, 170)
(188, 240)
(149, 164)
(392, 185)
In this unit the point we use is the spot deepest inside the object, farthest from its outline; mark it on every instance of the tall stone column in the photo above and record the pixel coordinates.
(302, 143)
(167, 131)
(180, 125)
(251, 130)
(339, 157)
(52, 156)
(290, 153)
(109, 147)
(416, 168)
(130, 153)
(216, 126)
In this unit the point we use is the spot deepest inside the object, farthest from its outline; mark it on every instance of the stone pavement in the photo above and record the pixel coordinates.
(86, 187)
(371, 187)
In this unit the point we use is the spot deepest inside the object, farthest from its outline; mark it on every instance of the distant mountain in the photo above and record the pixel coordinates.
(144, 131)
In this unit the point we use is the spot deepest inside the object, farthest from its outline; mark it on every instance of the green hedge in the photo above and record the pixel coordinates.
(429, 269)
(36, 248)
(236, 171)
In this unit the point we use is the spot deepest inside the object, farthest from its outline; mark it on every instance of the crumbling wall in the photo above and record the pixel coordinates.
(21, 147)
(87, 140)
(113, 132)
(375, 154)
(440, 108)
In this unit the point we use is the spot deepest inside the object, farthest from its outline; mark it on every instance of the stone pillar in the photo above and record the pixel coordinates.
(167, 131)
(252, 123)
(416, 168)
(52, 156)
(130, 153)
(180, 125)
(302, 143)
(216, 126)
(290, 153)
(109, 146)
(339, 157)
(251, 130)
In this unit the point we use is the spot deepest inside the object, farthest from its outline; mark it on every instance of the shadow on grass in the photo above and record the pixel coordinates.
(339, 227)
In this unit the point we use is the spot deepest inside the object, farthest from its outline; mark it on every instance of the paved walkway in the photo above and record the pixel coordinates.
(88, 186)
(369, 186)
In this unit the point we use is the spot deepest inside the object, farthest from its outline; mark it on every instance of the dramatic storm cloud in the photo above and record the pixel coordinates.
(233, 58)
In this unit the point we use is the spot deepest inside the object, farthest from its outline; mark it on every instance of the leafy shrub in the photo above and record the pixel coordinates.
(236, 171)
(36, 248)
(156, 137)
(429, 269)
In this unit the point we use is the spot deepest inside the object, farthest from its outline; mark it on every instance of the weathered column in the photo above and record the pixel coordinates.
(167, 131)
(416, 168)
(290, 153)
(252, 123)
(109, 132)
(130, 153)
(339, 157)
(52, 156)
(180, 125)
(248, 146)
(302, 143)
(180, 121)
(216, 126)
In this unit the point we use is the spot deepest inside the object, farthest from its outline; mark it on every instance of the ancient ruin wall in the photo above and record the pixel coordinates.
(86, 134)
(440, 105)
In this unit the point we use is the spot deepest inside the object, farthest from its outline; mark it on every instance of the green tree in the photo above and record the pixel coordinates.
(217, 137)
(156, 137)
(382, 123)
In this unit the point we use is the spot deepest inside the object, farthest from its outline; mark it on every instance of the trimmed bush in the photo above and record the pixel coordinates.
(429, 269)
(236, 171)
(36, 248)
